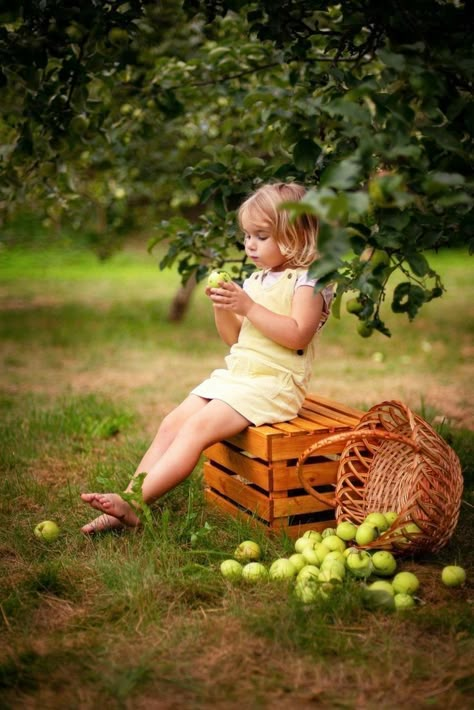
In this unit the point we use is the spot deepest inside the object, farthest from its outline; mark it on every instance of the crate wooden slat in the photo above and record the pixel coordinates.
(253, 475)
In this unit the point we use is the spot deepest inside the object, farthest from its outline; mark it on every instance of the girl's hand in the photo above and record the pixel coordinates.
(230, 297)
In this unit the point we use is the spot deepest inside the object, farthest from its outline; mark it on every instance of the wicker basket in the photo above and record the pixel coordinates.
(394, 461)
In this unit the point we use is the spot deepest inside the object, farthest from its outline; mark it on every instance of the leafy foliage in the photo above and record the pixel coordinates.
(127, 110)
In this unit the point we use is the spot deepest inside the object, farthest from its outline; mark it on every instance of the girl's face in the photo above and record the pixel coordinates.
(262, 248)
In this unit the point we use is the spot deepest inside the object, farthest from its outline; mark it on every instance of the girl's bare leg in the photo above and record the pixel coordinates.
(175, 451)
(165, 435)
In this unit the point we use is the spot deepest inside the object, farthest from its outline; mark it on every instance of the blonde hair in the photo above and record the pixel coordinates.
(296, 238)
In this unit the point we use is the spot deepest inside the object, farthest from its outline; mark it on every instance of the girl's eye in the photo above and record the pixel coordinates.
(260, 237)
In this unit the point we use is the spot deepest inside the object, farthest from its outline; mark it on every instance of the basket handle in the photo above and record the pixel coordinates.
(345, 437)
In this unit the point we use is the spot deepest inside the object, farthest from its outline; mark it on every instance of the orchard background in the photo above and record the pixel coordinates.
(134, 126)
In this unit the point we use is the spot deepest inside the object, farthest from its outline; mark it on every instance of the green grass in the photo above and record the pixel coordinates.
(89, 364)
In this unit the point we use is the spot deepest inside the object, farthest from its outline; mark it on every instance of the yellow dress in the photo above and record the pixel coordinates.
(264, 381)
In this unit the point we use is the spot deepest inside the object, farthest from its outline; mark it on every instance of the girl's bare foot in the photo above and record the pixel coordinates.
(101, 524)
(113, 506)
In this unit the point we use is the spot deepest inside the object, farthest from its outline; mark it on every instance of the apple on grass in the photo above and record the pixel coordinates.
(310, 555)
(359, 563)
(309, 573)
(384, 563)
(217, 277)
(403, 601)
(383, 584)
(282, 568)
(333, 543)
(254, 572)
(231, 570)
(48, 530)
(303, 542)
(313, 535)
(298, 560)
(247, 551)
(453, 575)
(334, 556)
(306, 592)
(378, 598)
(405, 583)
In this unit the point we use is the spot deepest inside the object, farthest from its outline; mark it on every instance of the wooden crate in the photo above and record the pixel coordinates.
(253, 475)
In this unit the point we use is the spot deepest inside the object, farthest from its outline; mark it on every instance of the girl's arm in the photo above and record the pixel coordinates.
(294, 331)
(228, 323)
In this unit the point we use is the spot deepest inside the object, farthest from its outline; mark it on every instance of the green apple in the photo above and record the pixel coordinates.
(403, 601)
(310, 573)
(405, 583)
(359, 563)
(303, 542)
(217, 277)
(346, 530)
(453, 576)
(378, 520)
(310, 555)
(247, 551)
(231, 569)
(321, 550)
(353, 305)
(47, 531)
(298, 560)
(409, 529)
(328, 532)
(365, 329)
(330, 575)
(390, 516)
(334, 570)
(313, 535)
(306, 593)
(254, 572)
(378, 599)
(334, 556)
(366, 533)
(282, 568)
(333, 543)
(382, 584)
(384, 563)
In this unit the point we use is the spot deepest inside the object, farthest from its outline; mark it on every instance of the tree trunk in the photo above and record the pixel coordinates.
(181, 301)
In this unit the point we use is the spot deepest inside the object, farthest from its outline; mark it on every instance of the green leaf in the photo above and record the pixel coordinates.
(342, 175)
(392, 59)
(305, 154)
(418, 264)
(408, 298)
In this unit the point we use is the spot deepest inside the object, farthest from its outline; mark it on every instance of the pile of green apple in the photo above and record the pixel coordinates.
(322, 561)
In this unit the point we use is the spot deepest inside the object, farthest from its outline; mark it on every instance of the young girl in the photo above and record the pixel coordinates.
(270, 324)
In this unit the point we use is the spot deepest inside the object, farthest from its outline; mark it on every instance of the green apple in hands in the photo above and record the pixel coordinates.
(217, 277)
